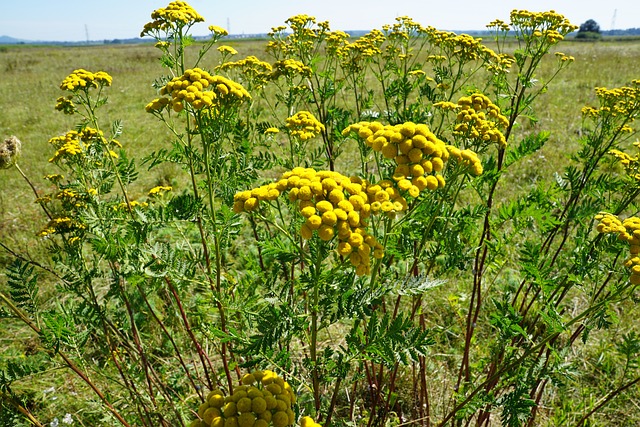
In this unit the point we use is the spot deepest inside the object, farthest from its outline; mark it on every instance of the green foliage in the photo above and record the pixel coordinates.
(328, 200)
(23, 286)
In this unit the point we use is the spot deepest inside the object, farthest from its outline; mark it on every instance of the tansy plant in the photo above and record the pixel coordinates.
(334, 192)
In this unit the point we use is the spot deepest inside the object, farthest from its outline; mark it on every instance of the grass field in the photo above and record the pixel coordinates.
(29, 80)
(31, 75)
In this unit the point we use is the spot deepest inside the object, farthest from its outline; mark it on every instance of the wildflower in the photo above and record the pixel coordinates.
(218, 31)
(499, 25)
(73, 144)
(263, 399)
(333, 205)
(10, 150)
(480, 119)
(290, 68)
(55, 178)
(547, 27)
(199, 89)
(228, 50)
(255, 72)
(303, 125)
(65, 104)
(177, 14)
(83, 80)
(132, 204)
(159, 190)
(271, 130)
(446, 105)
(417, 152)
(627, 230)
(60, 225)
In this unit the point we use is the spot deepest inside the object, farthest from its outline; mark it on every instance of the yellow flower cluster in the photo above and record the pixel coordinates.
(300, 22)
(308, 422)
(65, 104)
(74, 143)
(133, 204)
(499, 25)
(218, 31)
(55, 178)
(333, 205)
(621, 101)
(177, 13)
(83, 80)
(630, 163)
(416, 150)
(264, 399)
(227, 50)
(9, 151)
(550, 26)
(335, 41)
(290, 68)
(159, 190)
(256, 72)
(404, 28)
(60, 225)
(564, 58)
(300, 41)
(480, 119)
(466, 157)
(500, 63)
(629, 231)
(304, 126)
(462, 46)
(354, 56)
(199, 89)
(70, 198)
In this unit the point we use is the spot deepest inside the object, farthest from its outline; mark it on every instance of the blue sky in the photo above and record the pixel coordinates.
(68, 20)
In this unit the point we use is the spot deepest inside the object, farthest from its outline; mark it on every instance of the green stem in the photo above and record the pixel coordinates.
(218, 255)
(314, 326)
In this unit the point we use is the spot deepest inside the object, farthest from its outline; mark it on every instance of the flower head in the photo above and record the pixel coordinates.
(480, 119)
(335, 207)
(159, 190)
(65, 104)
(628, 230)
(227, 50)
(176, 15)
(218, 31)
(82, 79)
(262, 396)
(9, 152)
(199, 89)
(303, 125)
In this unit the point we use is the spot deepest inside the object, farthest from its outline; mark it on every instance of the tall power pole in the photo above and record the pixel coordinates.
(613, 20)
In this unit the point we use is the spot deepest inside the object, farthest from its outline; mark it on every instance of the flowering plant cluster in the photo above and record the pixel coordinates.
(264, 399)
(82, 79)
(332, 205)
(177, 13)
(332, 194)
(199, 89)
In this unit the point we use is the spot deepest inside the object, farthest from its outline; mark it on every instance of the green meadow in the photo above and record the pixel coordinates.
(29, 86)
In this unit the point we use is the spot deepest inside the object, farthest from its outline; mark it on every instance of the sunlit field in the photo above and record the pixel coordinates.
(462, 271)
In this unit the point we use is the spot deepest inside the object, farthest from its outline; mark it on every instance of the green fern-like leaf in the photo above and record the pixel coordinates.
(23, 285)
